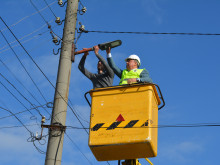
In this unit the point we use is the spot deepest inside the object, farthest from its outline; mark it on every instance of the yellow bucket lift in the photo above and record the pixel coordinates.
(123, 121)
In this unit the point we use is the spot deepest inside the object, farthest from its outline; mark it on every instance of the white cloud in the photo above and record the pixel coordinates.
(178, 152)
(15, 148)
(49, 64)
(153, 10)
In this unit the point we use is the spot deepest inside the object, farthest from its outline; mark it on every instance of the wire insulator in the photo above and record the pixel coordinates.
(43, 119)
(82, 28)
(55, 40)
(60, 2)
(58, 20)
(36, 135)
(84, 9)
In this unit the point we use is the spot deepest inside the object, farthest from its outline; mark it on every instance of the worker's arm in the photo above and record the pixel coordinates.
(145, 77)
(103, 61)
(111, 63)
(82, 68)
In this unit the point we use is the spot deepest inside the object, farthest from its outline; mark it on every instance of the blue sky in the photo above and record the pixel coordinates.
(184, 66)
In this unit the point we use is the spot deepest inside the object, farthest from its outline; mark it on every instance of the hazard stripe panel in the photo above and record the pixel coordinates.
(97, 126)
(113, 125)
(122, 124)
(131, 123)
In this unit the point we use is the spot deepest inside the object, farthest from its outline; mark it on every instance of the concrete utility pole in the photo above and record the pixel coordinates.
(56, 131)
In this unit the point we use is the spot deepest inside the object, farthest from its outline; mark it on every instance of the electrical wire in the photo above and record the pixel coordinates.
(21, 94)
(25, 36)
(204, 34)
(50, 9)
(42, 152)
(22, 85)
(49, 82)
(39, 12)
(16, 98)
(39, 150)
(18, 44)
(44, 74)
(80, 2)
(17, 119)
(23, 111)
(162, 126)
(49, 26)
(29, 16)
(168, 33)
(23, 66)
(21, 42)
(78, 114)
(189, 125)
(34, 97)
(77, 38)
(78, 149)
(45, 77)
(34, 138)
(16, 126)
(55, 160)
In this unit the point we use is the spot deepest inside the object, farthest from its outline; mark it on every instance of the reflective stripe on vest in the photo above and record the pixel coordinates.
(135, 73)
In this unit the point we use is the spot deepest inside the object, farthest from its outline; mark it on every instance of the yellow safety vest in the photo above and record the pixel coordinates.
(135, 73)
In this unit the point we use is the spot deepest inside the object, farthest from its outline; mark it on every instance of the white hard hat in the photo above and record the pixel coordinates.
(134, 57)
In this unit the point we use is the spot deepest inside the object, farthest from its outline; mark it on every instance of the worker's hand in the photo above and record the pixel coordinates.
(96, 49)
(86, 54)
(131, 80)
(108, 50)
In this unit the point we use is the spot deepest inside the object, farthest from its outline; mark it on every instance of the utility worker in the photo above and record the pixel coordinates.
(105, 75)
(132, 73)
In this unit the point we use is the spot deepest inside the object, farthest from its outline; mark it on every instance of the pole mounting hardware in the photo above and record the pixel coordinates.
(54, 127)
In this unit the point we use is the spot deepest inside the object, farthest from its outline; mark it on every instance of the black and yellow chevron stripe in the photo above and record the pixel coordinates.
(122, 124)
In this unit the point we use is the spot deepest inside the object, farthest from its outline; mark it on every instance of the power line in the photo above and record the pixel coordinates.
(29, 16)
(190, 125)
(39, 12)
(81, 3)
(50, 9)
(23, 66)
(23, 111)
(26, 125)
(78, 148)
(49, 26)
(9, 127)
(22, 42)
(16, 98)
(25, 36)
(44, 74)
(34, 48)
(32, 138)
(35, 138)
(22, 84)
(162, 126)
(50, 83)
(79, 114)
(204, 34)
(17, 119)
(58, 147)
(20, 93)
(33, 96)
